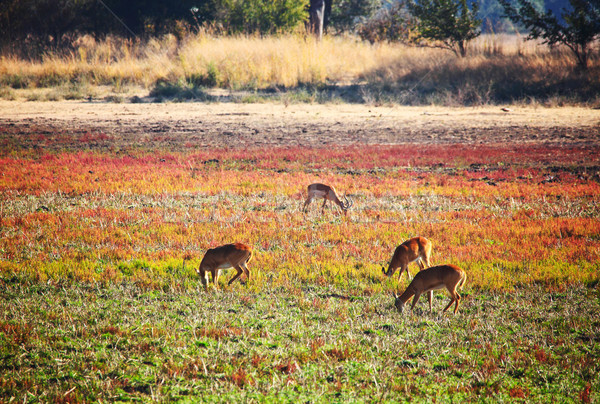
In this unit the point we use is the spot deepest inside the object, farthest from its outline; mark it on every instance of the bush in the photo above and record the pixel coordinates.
(447, 24)
(260, 16)
(179, 91)
(390, 24)
(347, 15)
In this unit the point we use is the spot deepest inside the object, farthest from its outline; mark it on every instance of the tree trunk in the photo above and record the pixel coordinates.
(582, 57)
(316, 18)
(462, 46)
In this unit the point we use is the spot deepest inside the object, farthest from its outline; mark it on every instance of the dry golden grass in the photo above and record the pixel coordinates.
(240, 61)
(281, 61)
(288, 61)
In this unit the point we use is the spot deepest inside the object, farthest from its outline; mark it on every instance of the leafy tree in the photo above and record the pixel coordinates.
(44, 24)
(260, 16)
(579, 28)
(346, 15)
(147, 17)
(31, 27)
(447, 24)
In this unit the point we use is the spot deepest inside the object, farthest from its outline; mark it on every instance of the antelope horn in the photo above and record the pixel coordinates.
(349, 202)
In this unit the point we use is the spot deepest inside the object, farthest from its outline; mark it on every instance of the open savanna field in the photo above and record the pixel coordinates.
(107, 209)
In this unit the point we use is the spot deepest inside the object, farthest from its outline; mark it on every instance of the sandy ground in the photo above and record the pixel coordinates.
(180, 125)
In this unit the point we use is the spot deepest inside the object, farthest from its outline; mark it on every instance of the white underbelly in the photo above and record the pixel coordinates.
(436, 287)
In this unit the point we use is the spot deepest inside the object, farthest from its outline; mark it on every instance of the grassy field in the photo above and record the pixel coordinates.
(509, 215)
(100, 300)
(69, 342)
(292, 68)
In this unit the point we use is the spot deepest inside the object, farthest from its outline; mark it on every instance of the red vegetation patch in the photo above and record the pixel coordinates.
(339, 354)
(518, 392)
(585, 394)
(288, 367)
(239, 377)
(541, 355)
(19, 333)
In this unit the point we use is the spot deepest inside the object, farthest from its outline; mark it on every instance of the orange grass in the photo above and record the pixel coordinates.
(508, 215)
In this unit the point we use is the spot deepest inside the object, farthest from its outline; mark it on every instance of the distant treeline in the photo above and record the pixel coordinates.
(35, 26)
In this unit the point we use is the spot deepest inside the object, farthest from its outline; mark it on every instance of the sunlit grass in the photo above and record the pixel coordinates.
(100, 300)
(503, 217)
(237, 62)
(499, 68)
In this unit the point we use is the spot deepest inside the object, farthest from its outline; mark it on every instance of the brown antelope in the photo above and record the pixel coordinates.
(235, 255)
(328, 193)
(416, 249)
(450, 276)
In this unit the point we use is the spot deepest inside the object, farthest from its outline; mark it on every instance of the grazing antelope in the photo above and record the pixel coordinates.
(235, 255)
(328, 193)
(415, 249)
(450, 276)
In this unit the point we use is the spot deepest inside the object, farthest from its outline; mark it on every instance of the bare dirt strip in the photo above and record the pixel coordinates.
(179, 126)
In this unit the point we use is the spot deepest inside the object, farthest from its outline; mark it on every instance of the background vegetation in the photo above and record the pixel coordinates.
(498, 69)
(49, 21)
(183, 51)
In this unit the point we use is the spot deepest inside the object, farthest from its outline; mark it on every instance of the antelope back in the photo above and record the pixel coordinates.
(231, 254)
(416, 247)
(436, 276)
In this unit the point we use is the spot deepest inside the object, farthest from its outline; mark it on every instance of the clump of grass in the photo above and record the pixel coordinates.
(179, 91)
(15, 80)
(285, 61)
(7, 93)
(210, 78)
(114, 99)
(70, 91)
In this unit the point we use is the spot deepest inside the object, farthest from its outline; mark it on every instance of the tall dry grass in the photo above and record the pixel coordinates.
(240, 61)
(498, 67)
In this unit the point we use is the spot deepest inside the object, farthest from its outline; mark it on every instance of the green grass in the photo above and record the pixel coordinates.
(71, 342)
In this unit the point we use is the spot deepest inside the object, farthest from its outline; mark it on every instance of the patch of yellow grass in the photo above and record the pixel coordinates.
(280, 61)
(240, 61)
(253, 62)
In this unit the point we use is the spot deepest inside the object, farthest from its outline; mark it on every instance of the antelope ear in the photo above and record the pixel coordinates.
(394, 295)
